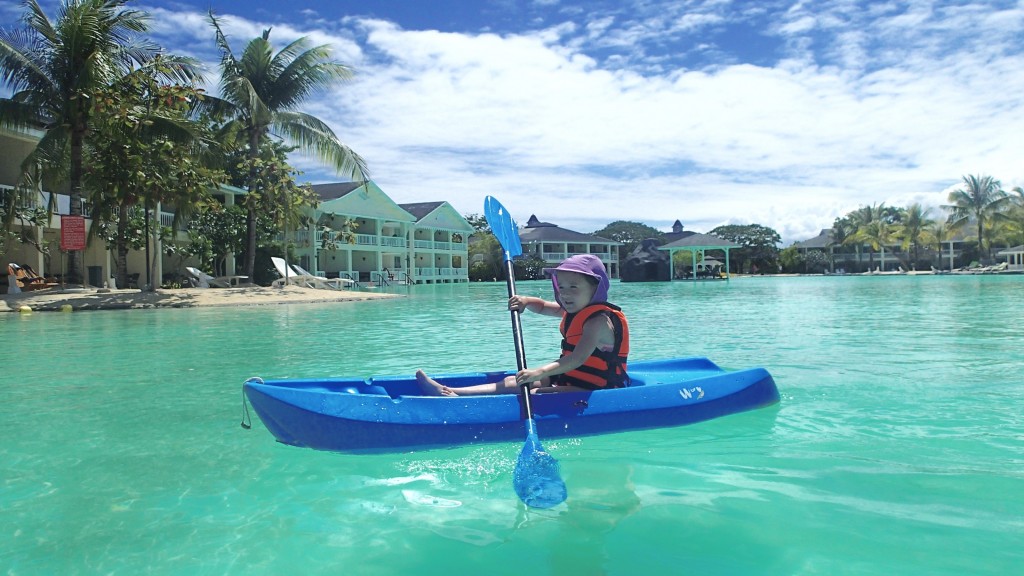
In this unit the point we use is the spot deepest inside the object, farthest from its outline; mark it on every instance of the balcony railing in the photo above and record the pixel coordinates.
(431, 273)
(434, 245)
(366, 240)
(28, 200)
(559, 256)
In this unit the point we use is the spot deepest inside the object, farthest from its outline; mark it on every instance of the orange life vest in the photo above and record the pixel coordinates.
(603, 369)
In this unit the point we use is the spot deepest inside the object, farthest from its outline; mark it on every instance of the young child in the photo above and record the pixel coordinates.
(595, 337)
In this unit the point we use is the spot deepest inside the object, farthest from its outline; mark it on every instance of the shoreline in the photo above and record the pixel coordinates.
(56, 300)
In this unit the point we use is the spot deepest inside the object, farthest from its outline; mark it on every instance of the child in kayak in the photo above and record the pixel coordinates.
(595, 337)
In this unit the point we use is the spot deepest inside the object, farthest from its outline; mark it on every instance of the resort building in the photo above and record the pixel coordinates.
(422, 243)
(37, 244)
(860, 258)
(677, 233)
(552, 244)
(440, 243)
(1014, 258)
(414, 243)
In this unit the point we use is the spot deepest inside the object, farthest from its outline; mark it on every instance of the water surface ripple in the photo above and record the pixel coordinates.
(898, 447)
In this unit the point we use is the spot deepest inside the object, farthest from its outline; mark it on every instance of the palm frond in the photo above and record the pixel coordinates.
(315, 137)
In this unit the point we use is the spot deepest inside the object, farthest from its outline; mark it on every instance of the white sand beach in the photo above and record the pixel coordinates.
(91, 299)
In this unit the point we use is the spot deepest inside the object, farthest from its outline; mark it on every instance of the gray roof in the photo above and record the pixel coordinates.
(675, 236)
(537, 231)
(1014, 250)
(822, 240)
(700, 241)
(334, 190)
(420, 209)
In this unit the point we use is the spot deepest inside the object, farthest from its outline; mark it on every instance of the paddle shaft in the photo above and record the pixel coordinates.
(517, 332)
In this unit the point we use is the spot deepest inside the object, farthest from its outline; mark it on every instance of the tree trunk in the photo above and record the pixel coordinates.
(152, 255)
(981, 243)
(75, 257)
(250, 246)
(122, 248)
(153, 281)
(250, 219)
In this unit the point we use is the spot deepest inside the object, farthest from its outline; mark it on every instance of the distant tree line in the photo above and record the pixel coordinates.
(758, 248)
(980, 210)
(979, 205)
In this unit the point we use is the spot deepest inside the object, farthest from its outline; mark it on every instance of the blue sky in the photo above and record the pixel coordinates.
(781, 113)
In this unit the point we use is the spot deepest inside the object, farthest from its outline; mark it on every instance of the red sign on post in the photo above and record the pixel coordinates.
(72, 232)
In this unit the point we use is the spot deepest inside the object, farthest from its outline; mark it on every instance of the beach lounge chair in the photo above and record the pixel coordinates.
(332, 283)
(27, 278)
(298, 276)
(200, 279)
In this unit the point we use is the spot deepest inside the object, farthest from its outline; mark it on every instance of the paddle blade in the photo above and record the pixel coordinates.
(503, 227)
(536, 479)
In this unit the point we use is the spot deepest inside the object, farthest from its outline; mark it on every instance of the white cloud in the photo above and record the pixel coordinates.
(584, 122)
(789, 147)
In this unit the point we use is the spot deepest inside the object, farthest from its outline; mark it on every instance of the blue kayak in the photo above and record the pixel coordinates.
(389, 414)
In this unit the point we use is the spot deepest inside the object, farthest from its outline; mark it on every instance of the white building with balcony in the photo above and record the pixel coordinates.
(422, 243)
(552, 244)
(439, 243)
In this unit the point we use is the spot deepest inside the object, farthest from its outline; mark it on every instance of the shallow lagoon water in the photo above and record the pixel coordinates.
(898, 447)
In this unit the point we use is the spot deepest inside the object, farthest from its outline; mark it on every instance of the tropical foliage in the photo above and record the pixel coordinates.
(260, 95)
(915, 229)
(1011, 220)
(530, 267)
(125, 126)
(979, 205)
(758, 246)
(215, 231)
(56, 68)
(145, 150)
(792, 260)
(980, 198)
(485, 256)
(631, 234)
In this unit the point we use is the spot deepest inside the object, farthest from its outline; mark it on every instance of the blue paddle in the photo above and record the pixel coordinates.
(536, 478)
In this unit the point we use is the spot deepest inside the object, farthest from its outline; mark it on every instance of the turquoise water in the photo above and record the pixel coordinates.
(898, 447)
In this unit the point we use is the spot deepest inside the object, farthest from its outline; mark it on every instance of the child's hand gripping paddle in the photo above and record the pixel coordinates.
(536, 479)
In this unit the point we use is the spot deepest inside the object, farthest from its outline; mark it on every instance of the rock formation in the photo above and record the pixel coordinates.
(645, 264)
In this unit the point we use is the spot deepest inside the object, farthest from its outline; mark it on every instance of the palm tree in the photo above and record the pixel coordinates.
(260, 94)
(876, 234)
(842, 230)
(55, 67)
(866, 230)
(1011, 219)
(939, 232)
(981, 197)
(914, 228)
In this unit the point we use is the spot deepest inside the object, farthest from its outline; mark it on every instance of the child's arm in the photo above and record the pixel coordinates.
(597, 331)
(535, 305)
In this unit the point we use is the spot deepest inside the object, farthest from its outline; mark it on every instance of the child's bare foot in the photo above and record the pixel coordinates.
(431, 387)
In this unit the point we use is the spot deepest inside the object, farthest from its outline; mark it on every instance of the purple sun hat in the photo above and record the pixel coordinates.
(584, 264)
